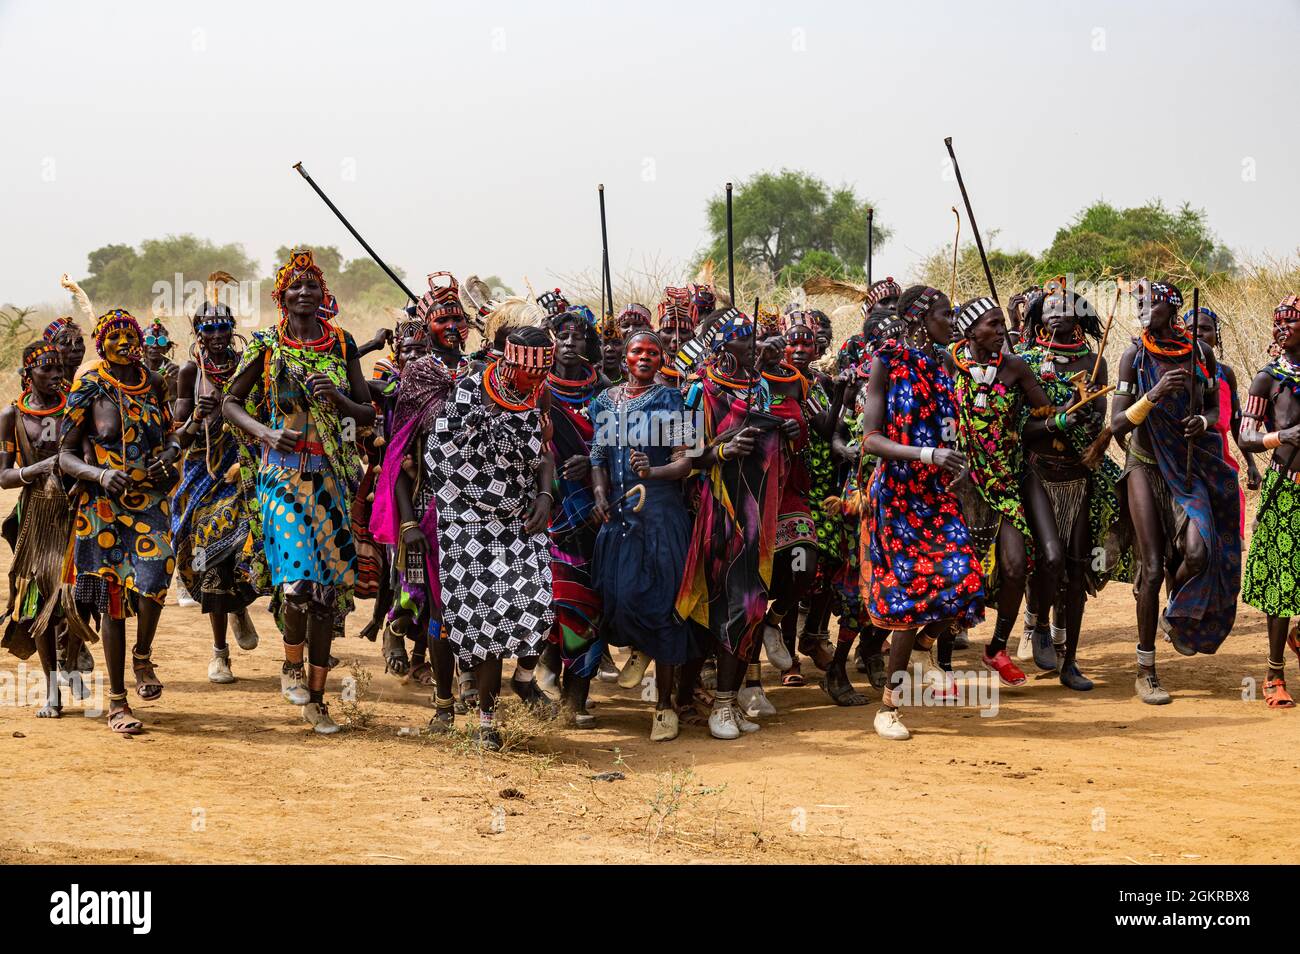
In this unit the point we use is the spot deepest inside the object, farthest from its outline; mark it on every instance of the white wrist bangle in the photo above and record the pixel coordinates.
(1205, 423)
(927, 455)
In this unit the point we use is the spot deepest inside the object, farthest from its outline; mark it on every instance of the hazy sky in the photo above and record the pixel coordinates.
(470, 136)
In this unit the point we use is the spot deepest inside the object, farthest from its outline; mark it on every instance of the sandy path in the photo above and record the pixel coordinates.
(231, 774)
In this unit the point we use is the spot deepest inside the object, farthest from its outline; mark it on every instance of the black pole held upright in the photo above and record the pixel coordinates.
(355, 234)
(1194, 406)
(870, 216)
(970, 214)
(604, 255)
(731, 260)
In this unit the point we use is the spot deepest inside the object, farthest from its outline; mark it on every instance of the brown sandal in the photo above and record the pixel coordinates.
(123, 721)
(147, 686)
(421, 674)
(818, 648)
(793, 679)
(693, 714)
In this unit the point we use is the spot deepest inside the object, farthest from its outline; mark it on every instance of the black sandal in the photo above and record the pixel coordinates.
(396, 659)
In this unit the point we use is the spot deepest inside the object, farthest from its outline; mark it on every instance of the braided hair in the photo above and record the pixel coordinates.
(1084, 313)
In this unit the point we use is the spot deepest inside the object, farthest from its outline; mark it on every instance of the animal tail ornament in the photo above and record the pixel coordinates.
(1097, 449)
(850, 506)
(215, 281)
(80, 297)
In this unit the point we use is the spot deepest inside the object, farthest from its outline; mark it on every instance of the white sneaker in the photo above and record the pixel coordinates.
(722, 723)
(744, 724)
(293, 686)
(633, 670)
(753, 701)
(184, 600)
(317, 714)
(774, 647)
(664, 728)
(219, 667)
(890, 726)
(1025, 648)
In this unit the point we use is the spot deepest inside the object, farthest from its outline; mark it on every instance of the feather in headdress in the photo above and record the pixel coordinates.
(510, 313)
(821, 285)
(476, 298)
(705, 275)
(215, 281)
(705, 278)
(80, 297)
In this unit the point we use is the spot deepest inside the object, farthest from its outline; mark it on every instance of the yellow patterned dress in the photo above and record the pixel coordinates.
(121, 544)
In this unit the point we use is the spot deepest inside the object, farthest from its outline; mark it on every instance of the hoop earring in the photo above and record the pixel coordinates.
(728, 366)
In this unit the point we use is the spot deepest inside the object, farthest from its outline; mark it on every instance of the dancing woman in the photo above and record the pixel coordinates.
(638, 462)
(729, 564)
(572, 383)
(1271, 582)
(1186, 518)
(430, 358)
(117, 442)
(210, 522)
(300, 393)
(823, 405)
(488, 464)
(992, 389)
(29, 459)
(1075, 545)
(158, 348)
(924, 574)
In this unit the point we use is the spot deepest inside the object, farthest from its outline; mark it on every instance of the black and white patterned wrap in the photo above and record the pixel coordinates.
(496, 579)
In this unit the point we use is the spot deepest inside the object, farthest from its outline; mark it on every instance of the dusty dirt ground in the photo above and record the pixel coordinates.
(231, 774)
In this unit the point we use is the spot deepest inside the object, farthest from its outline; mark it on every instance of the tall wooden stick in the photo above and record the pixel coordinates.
(1193, 405)
(870, 216)
(355, 234)
(731, 260)
(970, 214)
(606, 281)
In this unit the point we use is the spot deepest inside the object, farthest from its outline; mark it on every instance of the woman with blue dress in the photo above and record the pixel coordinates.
(638, 461)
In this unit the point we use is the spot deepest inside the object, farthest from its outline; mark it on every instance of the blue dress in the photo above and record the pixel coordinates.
(640, 557)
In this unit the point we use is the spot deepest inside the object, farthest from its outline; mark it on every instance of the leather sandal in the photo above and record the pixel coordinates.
(147, 686)
(123, 721)
(1276, 696)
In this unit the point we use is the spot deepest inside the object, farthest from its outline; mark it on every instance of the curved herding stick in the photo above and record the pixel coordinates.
(970, 214)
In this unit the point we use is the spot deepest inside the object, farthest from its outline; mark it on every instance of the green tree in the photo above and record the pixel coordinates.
(1146, 240)
(121, 276)
(781, 217)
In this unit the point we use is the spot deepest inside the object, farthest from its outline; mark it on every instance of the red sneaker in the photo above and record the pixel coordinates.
(1008, 672)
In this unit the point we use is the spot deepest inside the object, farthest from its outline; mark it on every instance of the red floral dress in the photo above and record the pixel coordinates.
(917, 549)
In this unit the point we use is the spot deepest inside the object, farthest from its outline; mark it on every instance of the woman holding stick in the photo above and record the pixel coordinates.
(1186, 519)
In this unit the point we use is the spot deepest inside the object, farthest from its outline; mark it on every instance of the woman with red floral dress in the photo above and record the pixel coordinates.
(924, 574)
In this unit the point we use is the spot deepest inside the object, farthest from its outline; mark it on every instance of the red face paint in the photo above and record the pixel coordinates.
(644, 359)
